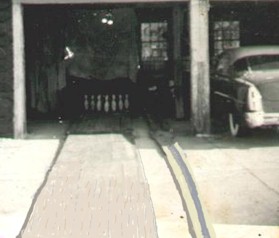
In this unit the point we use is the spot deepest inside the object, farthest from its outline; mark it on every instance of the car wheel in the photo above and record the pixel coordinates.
(236, 129)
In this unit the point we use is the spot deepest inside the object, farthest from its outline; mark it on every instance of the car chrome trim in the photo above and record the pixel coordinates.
(229, 97)
(240, 80)
(222, 95)
(261, 119)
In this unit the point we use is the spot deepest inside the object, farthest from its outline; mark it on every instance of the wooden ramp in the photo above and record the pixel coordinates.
(101, 123)
(97, 189)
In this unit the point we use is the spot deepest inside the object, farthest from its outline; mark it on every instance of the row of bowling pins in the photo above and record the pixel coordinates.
(112, 103)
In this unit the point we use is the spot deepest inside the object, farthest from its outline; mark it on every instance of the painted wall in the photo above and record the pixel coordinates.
(6, 69)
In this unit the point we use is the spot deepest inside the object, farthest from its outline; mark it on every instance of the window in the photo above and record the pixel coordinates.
(226, 36)
(258, 62)
(154, 44)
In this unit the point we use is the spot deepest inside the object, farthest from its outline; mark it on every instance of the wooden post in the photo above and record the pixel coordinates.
(200, 87)
(19, 73)
(177, 29)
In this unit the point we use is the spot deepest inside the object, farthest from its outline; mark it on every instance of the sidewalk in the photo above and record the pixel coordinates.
(23, 166)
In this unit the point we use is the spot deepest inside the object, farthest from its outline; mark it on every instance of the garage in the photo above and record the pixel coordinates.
(185, 70)
(47, 73)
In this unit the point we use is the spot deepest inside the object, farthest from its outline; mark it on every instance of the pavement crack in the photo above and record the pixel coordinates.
(260, 180)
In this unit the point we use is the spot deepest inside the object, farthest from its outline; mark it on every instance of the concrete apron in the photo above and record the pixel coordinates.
(96, 188)
(169, 212)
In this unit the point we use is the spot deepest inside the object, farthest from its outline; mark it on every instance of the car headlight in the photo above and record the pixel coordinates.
(254, 99)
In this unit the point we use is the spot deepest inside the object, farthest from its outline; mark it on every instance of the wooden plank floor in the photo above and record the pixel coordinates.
(97, 189)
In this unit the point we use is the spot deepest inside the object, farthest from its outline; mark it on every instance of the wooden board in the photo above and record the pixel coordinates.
(121, 1)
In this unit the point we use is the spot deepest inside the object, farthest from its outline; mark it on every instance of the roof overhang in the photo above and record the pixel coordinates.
(123, 1)
(94, 1)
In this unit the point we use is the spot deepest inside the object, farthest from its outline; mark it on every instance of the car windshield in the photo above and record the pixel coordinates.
(257, 63)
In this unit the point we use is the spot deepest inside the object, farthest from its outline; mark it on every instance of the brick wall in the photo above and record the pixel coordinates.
(6, 69)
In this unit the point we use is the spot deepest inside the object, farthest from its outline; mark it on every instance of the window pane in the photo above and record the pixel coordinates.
(226, 35)
(235, 25)
(154, 44)
(146, 51)
(235, 35)
(218, 35)
(145, 32)
(217, 25)
(154, 31)
(219, 45)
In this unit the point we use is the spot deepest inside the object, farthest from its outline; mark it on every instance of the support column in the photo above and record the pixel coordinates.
(177, 29)
(200, 86)
(19, 72)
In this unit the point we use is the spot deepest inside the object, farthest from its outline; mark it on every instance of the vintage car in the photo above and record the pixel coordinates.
(245, 88)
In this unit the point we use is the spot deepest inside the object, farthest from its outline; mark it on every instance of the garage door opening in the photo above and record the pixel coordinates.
(85, 59)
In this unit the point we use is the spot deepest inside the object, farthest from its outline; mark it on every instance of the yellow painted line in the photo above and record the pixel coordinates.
(198, 220)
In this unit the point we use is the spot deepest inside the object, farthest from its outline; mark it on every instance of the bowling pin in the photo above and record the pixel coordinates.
(113, 103)
(126, 101)
(106, 106)
(86, 103)
(99, 103)
(120, 103)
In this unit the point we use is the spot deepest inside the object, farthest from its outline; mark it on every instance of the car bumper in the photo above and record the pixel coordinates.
(261, 119)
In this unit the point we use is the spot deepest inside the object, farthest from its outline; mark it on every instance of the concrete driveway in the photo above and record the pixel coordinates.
(238, 177)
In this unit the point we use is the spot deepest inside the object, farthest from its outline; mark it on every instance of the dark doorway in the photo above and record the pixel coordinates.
(82, 56)
(155, 70)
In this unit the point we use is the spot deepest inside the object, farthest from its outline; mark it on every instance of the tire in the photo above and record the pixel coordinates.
(236, 129)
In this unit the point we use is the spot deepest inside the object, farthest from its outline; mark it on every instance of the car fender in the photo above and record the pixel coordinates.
(241, 90)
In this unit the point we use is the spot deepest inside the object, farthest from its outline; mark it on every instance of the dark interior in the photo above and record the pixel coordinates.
(109, 59)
